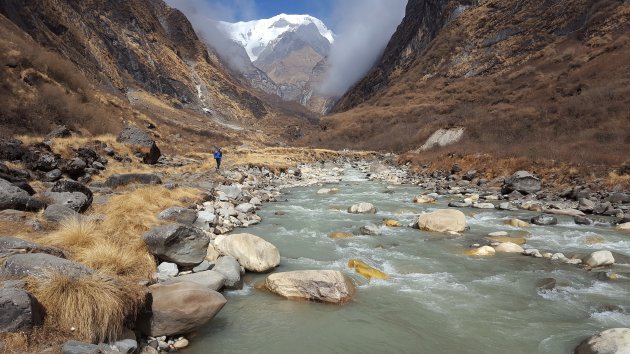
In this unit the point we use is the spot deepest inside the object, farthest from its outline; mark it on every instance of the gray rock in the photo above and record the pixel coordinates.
(119, 180)
(523, 182)
(72, 200)
(459, 204)
(586, 205)
(362, 208)
(544, 220)
(75, 168)
(11, 149)
(166, 270)
(37, 264)
(145, 146)
(12, 245)
(232, 192)
(184, 245)
(126, 346)
(245, 208)
(73, 186)
(582, 220)
(532, 252)
(515, 195)
(202, 267)
(210, 279)
(58, 213)
(75, 347)
(507, 206)
(179, 215)
(53, 175)
(16, 198)
(59, 131)
(19, 311)
(546, 284)
(205, 219)
(623, 198)
(372, 230)
(599, 259)
(231, 270)
(610, 341)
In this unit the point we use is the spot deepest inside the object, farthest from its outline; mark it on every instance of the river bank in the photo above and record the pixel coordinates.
(233, 199)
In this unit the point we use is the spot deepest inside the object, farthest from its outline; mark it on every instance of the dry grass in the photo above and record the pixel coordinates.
(614, 179)
(73, 234)
(38, 340)
(94, 305)
(132, 261)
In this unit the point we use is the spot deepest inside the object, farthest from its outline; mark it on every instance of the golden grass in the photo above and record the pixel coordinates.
(38, 340)
(94, 305)
(113, 259)
(73, 234)
(614, 179)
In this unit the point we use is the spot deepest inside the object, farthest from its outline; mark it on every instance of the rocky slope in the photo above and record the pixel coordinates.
(131, 56)
(515, 76)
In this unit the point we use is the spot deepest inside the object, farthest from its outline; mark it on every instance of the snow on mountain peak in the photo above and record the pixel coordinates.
(256, 35)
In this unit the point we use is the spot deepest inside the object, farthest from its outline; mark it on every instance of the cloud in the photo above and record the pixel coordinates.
(364, 27)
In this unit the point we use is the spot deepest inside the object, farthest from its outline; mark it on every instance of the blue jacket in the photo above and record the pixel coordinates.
(218, 154)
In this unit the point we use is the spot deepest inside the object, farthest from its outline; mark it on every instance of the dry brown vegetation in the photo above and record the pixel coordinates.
(92, 306)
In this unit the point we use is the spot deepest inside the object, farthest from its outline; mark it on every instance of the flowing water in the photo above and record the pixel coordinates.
(436, 301)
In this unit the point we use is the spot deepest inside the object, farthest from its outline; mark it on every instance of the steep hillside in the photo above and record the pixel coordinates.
(125, 59)
(539, 79)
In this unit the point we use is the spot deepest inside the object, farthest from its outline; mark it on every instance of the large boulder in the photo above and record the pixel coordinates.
(58, 213)
(610, 341)
(231, 192)
(231, 270)
(179, 308)
(252, 252)
(179, 215)
(509, 247)
(443, 220)
(142, 143)
(184, 245)
(209, 279)
(625, 227)
(317, 285)
(37, 264)
(599, 259)
(19, 311)
(76, 201)
(16, 198)
(13, 245)
(523, 182)
(362, 208)
(68, 186)
(118, 180)
(76, 347)
(11, 149)
(544, 220)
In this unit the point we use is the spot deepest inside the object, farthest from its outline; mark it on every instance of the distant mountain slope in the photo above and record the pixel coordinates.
(539, 78)
(287, 48)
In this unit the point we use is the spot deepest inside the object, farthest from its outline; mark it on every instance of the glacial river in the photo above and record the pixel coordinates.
(437, 300)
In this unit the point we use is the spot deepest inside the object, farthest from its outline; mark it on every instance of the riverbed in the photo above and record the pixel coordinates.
(437, 300)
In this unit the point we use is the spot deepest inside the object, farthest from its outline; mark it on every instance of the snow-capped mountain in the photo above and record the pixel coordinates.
(257, 35)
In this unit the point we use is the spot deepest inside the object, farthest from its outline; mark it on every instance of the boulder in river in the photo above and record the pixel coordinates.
(391, 223)
(424, 199)
(544, 220)
(180, 244)
(624, 227)
(523, 182)
(316, 285)
(371, 230)
(252, 252)
(340, 235)
(229, 267)
(209, 279)
(362, 208)
(599, 259)
(517, 223)
(179, 308)
(365, 270)
(508, 247)
(481, 251)
(443, 220)
(610, 341)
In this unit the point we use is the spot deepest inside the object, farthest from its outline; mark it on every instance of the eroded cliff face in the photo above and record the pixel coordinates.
(135, 44)
(517, 76)
(423, 21)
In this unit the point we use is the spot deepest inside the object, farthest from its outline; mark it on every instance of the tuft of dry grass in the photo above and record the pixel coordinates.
(73, 234)
(94, 305)
(38, 340)
(615, 179)
(132, 261)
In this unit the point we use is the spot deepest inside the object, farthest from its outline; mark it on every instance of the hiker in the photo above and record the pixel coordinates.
(217, 156)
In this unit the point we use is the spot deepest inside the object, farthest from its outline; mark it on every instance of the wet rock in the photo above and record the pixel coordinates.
(517, 223)
(625, 227)
(424, 199)
(443, 220)
(568, 212)
(365, 270)
(523, 182)
(544, 220)
(599, 259)
(340, 235)
(119, 180)
(371, 230)
(582, 220)
(186, 246)
(209, 279)
(179, 215)
(546, 284)
(37, 264)
(532, 252)
(229, 267)
(483, 205)
(143, 144)
(315, 285)
(362, 208)
(20, 310)
(391, 223)
(610, 341)
(481, 251)
(252, 252)
(460, 204)
(179, 308)
(328, 191)
(509, 247)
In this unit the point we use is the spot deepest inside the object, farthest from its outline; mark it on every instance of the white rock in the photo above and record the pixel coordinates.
(251, 251)
(317, 285)
(362, 208)
(442, 220)
(424, 199)
(610, 341)
(624, 227)
(245, 208)
(166, 270)
(509, 247)
(599, 259)
(483, 205)
(498, 233)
